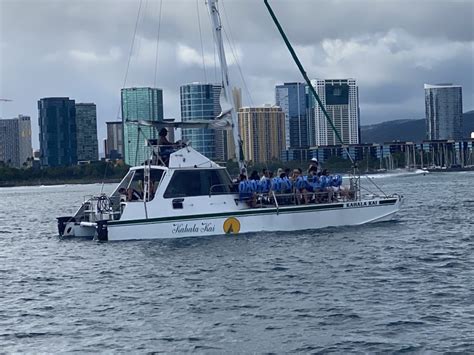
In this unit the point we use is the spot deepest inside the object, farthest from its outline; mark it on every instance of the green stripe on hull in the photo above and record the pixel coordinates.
(249, 212)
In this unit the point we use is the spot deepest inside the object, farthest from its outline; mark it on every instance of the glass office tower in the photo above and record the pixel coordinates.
(57, 136)
(443, 104)
(201, 102)
(291, 97)
(142, 103)
(86, 132)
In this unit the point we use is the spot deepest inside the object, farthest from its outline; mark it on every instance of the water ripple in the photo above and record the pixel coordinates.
(399, 286)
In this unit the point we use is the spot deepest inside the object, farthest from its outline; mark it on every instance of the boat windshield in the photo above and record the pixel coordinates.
(123, 186)
(186, 183)
(132, 185)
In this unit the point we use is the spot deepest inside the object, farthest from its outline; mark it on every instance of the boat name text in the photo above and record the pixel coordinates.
(362, 203)
(193, 228)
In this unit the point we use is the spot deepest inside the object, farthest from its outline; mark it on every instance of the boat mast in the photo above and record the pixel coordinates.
(226, 87)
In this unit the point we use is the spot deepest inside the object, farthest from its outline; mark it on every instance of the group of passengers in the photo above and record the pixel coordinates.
(291, 186)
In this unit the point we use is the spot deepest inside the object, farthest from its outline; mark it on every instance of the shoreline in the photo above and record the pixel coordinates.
(57, 182)
(48, 182)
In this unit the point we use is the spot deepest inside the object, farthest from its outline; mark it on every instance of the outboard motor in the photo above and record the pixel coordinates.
(102, 233)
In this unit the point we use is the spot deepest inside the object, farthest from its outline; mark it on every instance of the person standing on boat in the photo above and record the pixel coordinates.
(314, 166)
(163, 141)
(165, 146)
(254, 176)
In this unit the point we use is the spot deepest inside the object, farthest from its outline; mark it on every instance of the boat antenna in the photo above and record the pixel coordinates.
(305, 76)
(226, 87)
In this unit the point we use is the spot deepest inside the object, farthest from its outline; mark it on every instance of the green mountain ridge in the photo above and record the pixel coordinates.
(410, 130)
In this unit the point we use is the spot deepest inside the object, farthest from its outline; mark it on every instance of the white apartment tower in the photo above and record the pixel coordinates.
(340, 97)
(15, 141)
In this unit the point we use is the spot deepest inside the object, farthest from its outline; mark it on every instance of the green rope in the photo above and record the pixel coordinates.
(305, 76)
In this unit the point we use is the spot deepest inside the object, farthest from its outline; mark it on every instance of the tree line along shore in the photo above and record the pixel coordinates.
(101, 171)
(78, 174)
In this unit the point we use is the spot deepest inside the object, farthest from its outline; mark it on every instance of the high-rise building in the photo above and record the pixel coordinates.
(291, 97)
(340, 97)
(443, 105)
(114, 146)
(311, 106)
(138, 104)
(86, 132)
(57, 131)
(262, 130)
(15, 141)
(201, 102)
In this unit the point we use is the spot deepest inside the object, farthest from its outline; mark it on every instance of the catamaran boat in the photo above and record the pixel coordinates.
(179, 192)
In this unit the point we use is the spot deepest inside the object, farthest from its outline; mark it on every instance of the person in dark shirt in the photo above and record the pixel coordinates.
(163, 139)
(254, 175)
(165, 146)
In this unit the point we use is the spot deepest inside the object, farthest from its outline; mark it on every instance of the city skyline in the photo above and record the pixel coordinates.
(390, 53)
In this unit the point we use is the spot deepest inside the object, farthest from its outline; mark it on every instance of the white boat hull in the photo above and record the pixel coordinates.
(288, 218)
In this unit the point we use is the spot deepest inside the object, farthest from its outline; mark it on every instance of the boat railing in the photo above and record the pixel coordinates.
(276, 202)
(294, 196)
(160, 154)
(354, 186)
(280, 199)
(229, 187)
(98, 207)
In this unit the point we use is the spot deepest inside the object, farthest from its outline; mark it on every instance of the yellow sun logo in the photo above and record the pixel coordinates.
(231, 226)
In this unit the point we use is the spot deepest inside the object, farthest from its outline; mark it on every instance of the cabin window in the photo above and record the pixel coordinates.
(132, 186)
(137, 185)
(124, 183)
(186, 183)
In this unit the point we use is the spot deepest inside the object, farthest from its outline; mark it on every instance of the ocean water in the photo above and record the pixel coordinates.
(400, 286)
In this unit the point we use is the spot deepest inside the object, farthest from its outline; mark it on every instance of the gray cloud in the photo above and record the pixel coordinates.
(80, 49)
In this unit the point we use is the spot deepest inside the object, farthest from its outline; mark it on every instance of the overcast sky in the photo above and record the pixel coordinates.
(80, 49)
